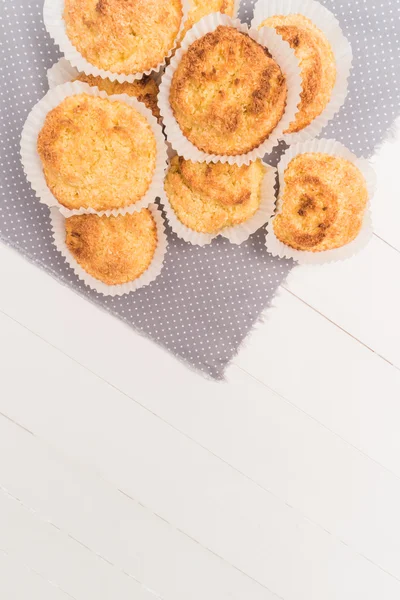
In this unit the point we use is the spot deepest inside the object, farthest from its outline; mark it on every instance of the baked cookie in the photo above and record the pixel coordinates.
(97, 153)
(123, 36)
(323, 203)
(227, 93)
(210, 197)
(145, 89)
(115, 250)
(317, 65)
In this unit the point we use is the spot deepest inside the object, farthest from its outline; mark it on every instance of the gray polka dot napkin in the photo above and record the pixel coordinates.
(207, 299)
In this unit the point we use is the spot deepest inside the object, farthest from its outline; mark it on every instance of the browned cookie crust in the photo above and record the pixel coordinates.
(323, 203)
(210, 197)
(227, 93)
(97, 153)
(114, 250)
(123, 36)
(317, 64)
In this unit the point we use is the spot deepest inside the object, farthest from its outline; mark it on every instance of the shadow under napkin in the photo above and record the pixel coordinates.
(207, 299)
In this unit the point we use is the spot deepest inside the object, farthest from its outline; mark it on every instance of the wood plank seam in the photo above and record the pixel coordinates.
(320, 423)
(339, 327)
(305, 517)
(265, 490)
(49, 522)
(37, 515)
(28, 568)
(90, 474)
(8, 493)
(278, 394)
(387, 243)
(155, 594)
(202, 545)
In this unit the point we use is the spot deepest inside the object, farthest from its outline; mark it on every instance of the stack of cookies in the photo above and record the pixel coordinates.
(144, 80)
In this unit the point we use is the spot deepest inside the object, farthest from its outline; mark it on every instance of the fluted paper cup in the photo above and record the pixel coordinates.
(238, 233)
(334, 148)
(282, 54)
(330, 27)
(152, 272)
(33, 166)
(61, 72)
(53, 16)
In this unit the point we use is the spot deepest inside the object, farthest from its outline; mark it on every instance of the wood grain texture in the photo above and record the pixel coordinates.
(361, 296)
(18, 581)
(183, 483)
(116, 531)
(58, 558)
(328, 375)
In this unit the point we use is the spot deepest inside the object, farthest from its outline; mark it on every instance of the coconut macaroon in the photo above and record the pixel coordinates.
(114, 250)
(323, 203)
(145, 89)
(201, 8)
(97, 153)
(317, 65)
(210, 197)
(123, 36)
(227, 93)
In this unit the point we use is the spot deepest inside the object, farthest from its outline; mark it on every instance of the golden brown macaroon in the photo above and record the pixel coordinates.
(145, 89)
(323, 203)
(210, 197)
(97, 153)
(201, 8)
(123, 36)
(114, 250)
(317, 65)
(227, 93)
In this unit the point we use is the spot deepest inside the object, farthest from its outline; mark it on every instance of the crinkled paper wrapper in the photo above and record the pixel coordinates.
(33, 165)
(153, 271)
(332, 147)
(341, 48)
(237, 234)
(282, 54)
(53, 12)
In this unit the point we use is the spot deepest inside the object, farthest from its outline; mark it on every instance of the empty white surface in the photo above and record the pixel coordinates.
(124, 474)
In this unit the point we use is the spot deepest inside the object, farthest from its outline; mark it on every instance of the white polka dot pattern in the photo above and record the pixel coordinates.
(207, 299)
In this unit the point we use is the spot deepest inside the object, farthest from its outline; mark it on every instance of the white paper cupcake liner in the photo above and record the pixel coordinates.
(341, 48)
(236, 8)
(153, 271)
(61, 72)
(33, 166)
(283, 55)
(237, 234)
(323, 146)
(53, 11)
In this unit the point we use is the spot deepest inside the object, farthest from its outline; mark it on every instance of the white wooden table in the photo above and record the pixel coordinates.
(125, 475)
